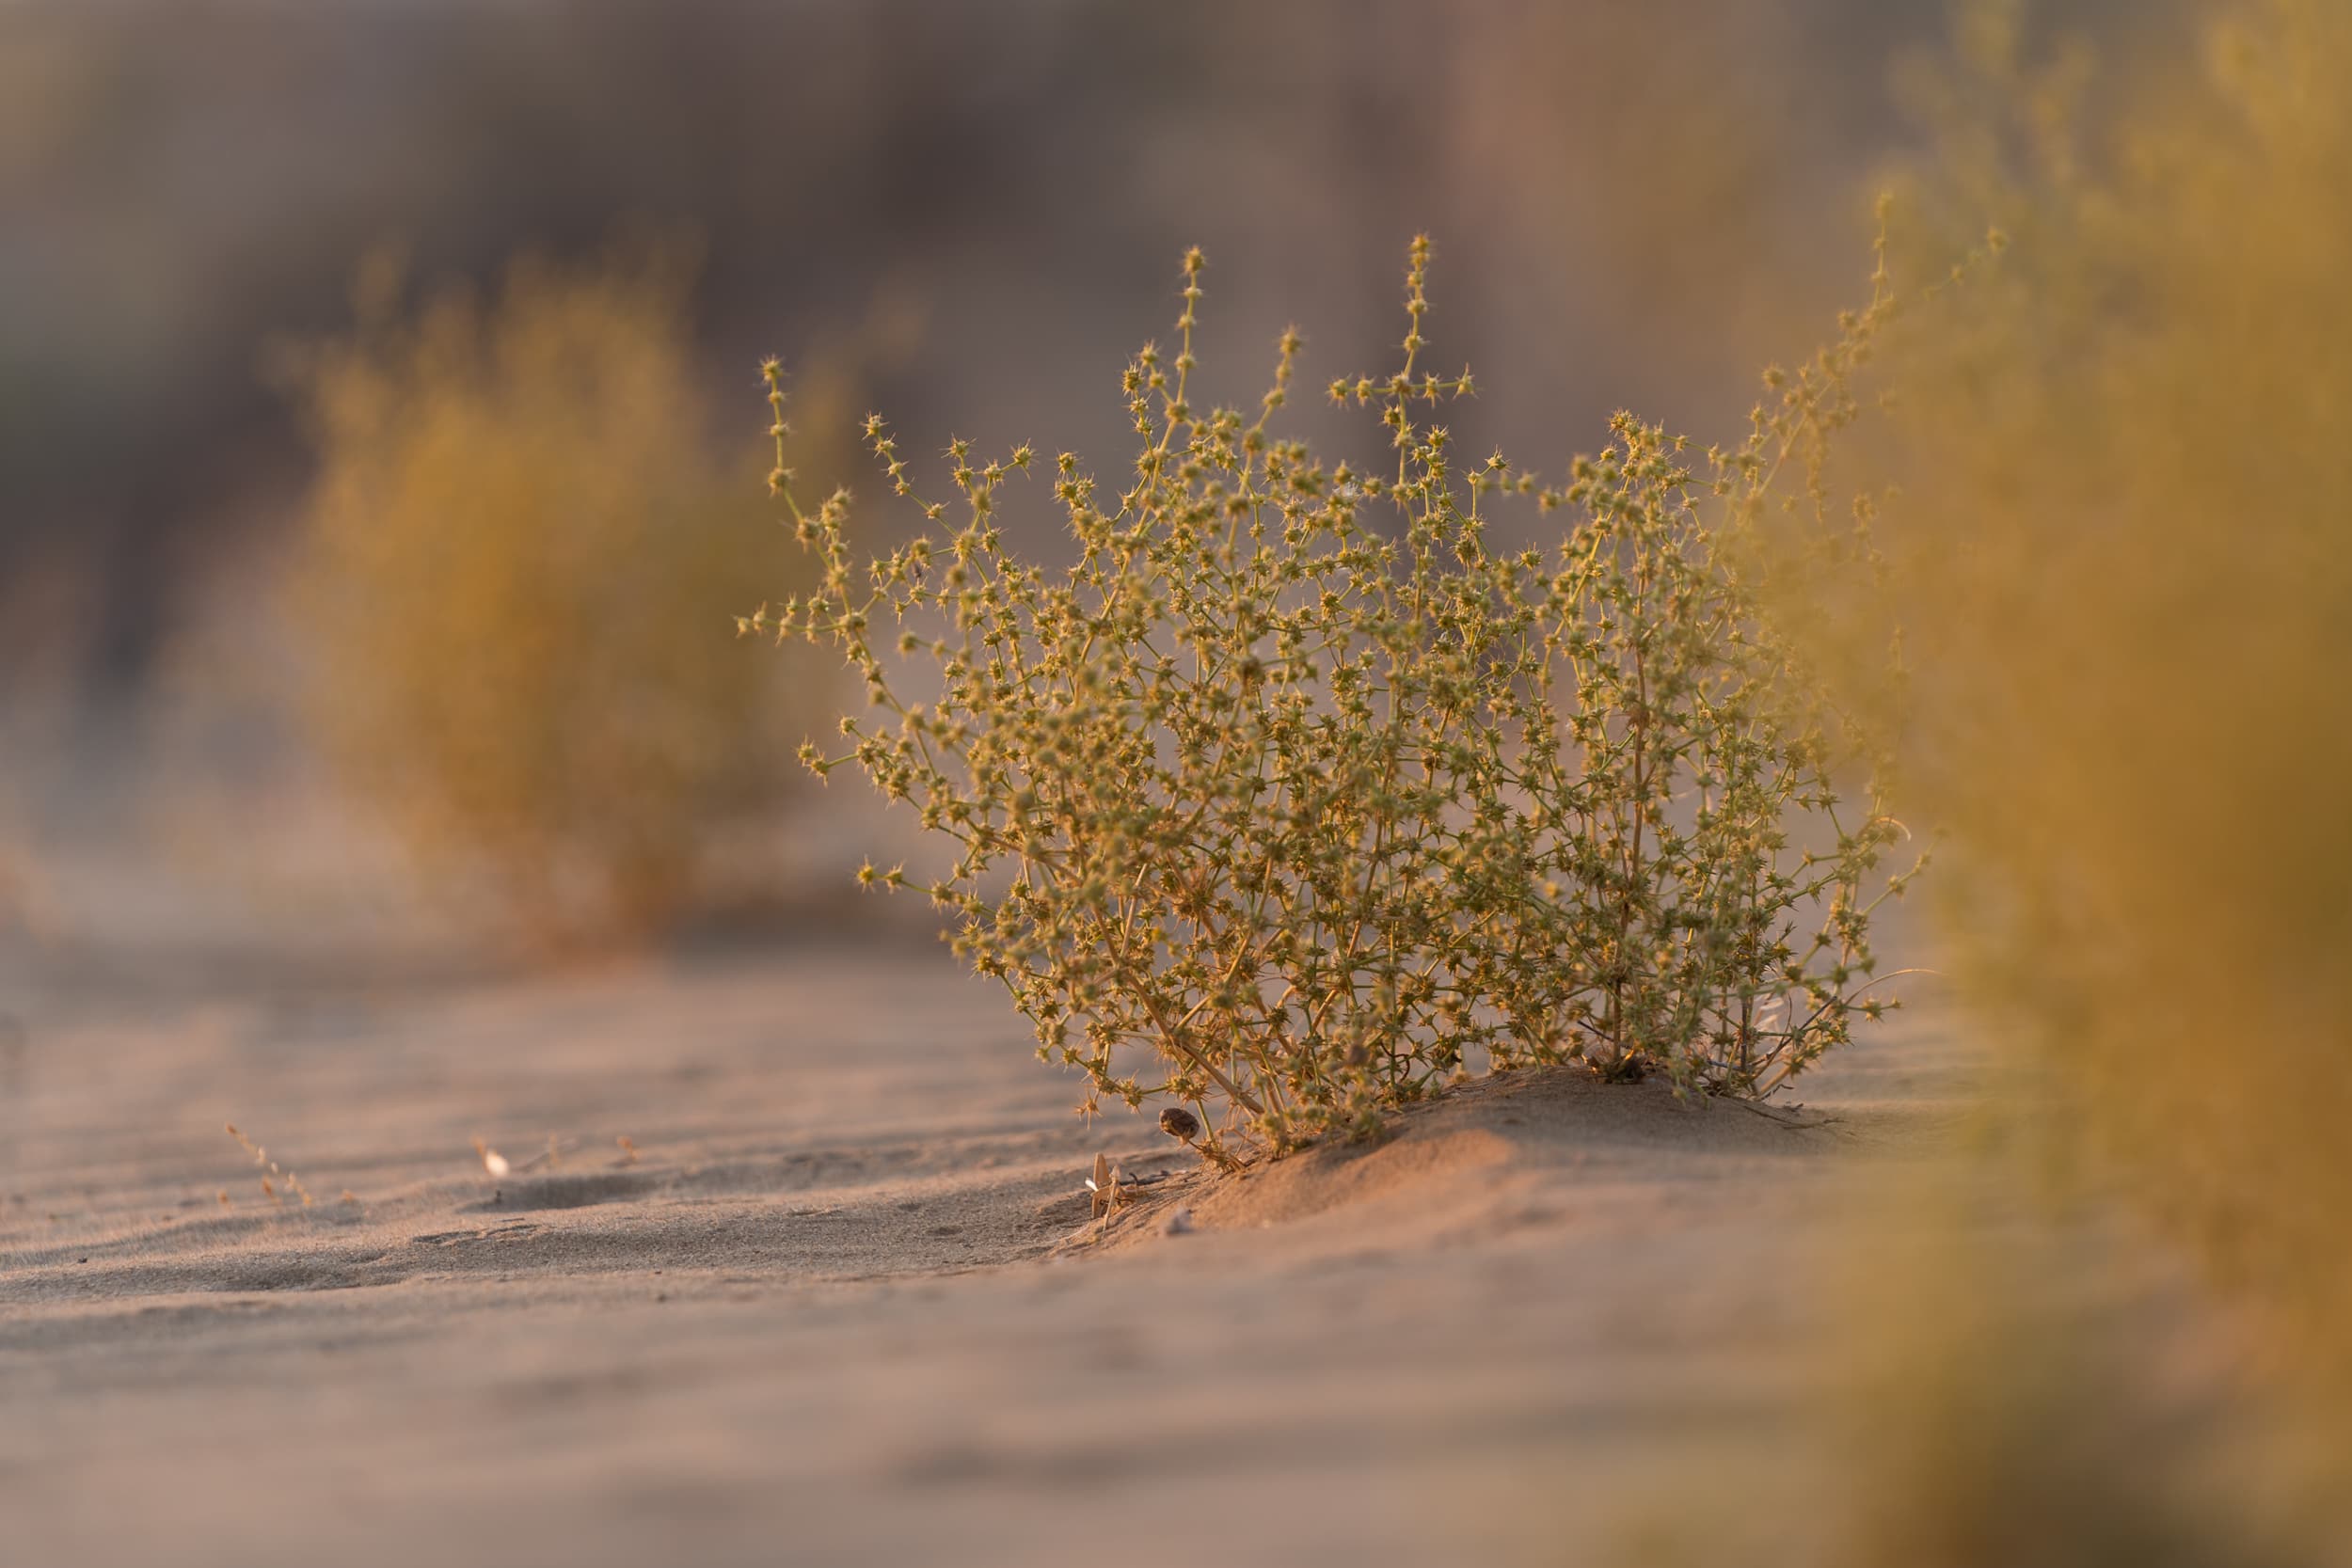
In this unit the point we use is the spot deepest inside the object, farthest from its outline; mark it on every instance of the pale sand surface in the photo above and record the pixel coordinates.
(834, 1312)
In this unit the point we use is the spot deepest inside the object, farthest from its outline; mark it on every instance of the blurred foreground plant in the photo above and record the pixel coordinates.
(1293, 796)
(2122, 563)
(1996, 1384)
(516, 537)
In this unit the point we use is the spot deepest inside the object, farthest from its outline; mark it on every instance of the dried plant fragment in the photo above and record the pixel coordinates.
(262, 1159)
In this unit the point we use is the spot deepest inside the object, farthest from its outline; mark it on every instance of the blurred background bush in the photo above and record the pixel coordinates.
(512, 552)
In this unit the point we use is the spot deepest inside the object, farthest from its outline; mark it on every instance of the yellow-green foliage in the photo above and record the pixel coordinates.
(1293, 795)
(518, 549)
(2122, 565)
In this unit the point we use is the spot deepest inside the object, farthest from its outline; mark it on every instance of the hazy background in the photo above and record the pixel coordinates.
(1633, 206)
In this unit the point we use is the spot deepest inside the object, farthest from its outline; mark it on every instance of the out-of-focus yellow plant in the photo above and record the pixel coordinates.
(2122, 561)
(2009, 1389)
(520, 548)
(2002, 1387)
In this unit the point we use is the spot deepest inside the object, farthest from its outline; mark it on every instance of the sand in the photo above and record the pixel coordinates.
(844, 1302)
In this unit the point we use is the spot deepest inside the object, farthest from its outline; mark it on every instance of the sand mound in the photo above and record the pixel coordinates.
(1475, 1155)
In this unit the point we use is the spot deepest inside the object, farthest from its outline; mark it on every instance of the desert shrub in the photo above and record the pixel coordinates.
(2121, 565)
(1293, 796)
(518, 535)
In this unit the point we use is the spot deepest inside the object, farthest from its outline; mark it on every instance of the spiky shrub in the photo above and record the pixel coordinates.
(518, 530)
(1293, 797)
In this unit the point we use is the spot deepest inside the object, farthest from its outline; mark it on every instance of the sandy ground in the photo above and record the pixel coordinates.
(844, 1305)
